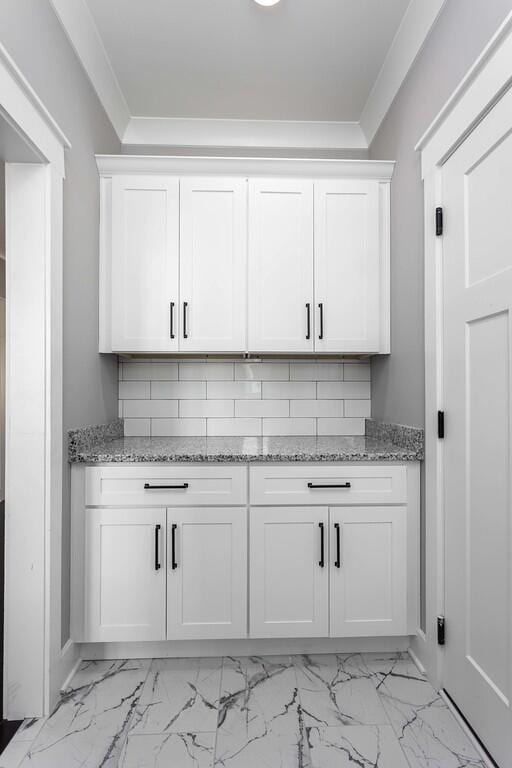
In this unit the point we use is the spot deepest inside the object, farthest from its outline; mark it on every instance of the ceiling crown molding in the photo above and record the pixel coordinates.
(81, 30)
(416, 24)
(289, 134)
(76, 19)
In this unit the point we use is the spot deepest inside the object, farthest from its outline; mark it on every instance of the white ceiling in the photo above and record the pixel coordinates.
(299, 60)
(304, 74)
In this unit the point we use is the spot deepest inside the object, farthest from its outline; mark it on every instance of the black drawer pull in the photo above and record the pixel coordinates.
(171, 320)
(308, 321)
(321, 562)
(321, 485)
(321, 309)
(157, 547)
(148, 487)
(337, 562)
(185, 331)
(174, 564)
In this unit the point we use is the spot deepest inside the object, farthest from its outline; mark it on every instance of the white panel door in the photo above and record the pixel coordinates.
(368, 568)
(477, 264)
(213, 264)
(145, 264)
(207, 573)
(124, 574)
(289, 572)
(280, 286)
(347, 266)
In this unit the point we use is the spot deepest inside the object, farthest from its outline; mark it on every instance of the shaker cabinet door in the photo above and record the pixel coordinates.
(145, 264)
(280, 288)
(213, 265)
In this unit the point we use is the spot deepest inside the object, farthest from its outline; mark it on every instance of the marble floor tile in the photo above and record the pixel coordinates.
(428, 732)
(179, 696)
(14, 753)
(337, 690)
(355, 746)
(29, 729)
(169, 750)
(268, 750)
(90, 723)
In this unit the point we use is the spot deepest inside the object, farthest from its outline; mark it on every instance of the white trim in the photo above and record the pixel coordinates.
(289, 134)
(486, 81)
(416, 24)
(34, 660)
(22, 108)
(110, 165)
(78, 23)
(479, 91)
(243, 647)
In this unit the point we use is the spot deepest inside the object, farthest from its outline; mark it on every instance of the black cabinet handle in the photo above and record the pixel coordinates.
(321, 308)
(321, 562)
(185, 307)
(148, 487)
(157, 547)
(336, 485)
(171, 320)
(174, 564)
(337, 562)
(308, 320)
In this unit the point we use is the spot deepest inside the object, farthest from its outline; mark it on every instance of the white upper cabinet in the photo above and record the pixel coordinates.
(281, 264)
(145, 264)
(347, 266)
(280, 286)
(213, 257)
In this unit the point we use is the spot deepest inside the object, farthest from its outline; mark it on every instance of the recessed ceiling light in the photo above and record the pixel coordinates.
(267, 2)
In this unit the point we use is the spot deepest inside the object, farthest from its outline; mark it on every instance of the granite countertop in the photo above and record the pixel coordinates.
(243, 449)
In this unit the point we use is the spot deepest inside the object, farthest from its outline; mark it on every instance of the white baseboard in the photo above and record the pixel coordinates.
(67, 666)
(270, 647)
(417, 662)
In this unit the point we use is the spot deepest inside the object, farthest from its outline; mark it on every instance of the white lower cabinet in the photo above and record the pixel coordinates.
(124, 568)
(368, 571)
(288, 572)
(207, 573)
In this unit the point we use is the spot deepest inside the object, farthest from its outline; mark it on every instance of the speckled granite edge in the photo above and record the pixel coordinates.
(408, 438)
(85, 439)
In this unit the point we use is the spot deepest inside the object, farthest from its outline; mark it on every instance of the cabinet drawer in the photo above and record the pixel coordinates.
(328, 484)
(165, 486)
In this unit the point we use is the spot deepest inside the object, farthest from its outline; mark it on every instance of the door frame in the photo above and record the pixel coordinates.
(485, 83)
(35, 663)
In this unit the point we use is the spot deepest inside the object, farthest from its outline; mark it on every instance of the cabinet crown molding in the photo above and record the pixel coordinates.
(376, 170)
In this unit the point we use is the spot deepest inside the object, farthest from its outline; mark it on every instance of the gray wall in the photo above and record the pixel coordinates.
(34, 38)
(462, 30)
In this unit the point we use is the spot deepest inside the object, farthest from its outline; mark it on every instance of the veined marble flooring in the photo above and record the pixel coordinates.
(329, 711)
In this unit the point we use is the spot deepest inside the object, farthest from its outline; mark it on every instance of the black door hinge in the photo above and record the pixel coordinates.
(439, 222)
(440, 630)
(440, 424)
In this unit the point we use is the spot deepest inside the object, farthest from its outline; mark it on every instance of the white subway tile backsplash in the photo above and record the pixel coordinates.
(134, 390)
(178, 390)
(316, 371)
(262, 371)
(343, 390)
(289, 427)
(289, 390)
(150, 408)
(234, 427)
(341, 426)
(137, 427)
(316, 408)
(357, 372)
(260, 408)
(225, 398)
(358, 408)
(178, 427)
(134, 371)
(206, 371)
(206, 408)
(233, 390)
